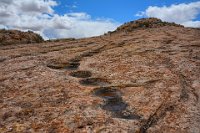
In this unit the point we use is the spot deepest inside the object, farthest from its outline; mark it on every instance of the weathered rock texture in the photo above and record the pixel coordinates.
(145, 80)
(10, 37)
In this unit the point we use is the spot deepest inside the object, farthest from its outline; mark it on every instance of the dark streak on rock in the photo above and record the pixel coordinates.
(154, 118)
(185, 89)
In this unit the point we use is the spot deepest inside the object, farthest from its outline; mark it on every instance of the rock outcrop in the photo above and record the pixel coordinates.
(140, 81)
(145, 23)
(8, 37)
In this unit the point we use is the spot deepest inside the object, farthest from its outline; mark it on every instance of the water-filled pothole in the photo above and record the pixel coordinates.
(112, 97)
(81, 74)
(114, 103)
(94, 82)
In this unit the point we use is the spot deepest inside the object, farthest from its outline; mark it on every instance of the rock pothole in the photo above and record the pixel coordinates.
(81, 74)
(76, 59)
(68, 66)
(89, 54)
(112, 97)
(72, 66)
(114, 103)
(94, 82)
(56, 66)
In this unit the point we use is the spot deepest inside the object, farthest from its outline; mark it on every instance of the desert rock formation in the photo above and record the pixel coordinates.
(137, 80)
(10, 37)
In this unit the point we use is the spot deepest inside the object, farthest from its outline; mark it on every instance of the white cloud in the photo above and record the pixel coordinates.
(36, 6)
(192, 24)
(39, 16)
(181, 13)
(140, 14)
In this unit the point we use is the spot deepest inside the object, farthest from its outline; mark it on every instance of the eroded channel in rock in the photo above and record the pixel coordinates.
(114, 103)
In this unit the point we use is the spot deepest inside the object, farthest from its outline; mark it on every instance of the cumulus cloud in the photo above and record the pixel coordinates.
(184, 14)
(39, 16)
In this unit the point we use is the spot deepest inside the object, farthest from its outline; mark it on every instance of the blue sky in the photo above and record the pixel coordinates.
(86, 18)
(118, 10)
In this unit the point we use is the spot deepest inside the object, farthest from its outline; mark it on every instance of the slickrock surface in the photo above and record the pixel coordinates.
(144, 80)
